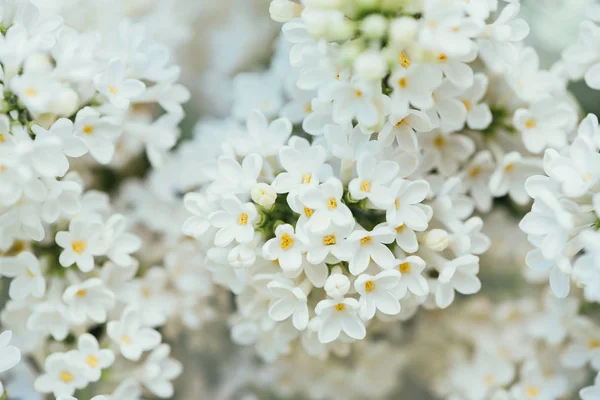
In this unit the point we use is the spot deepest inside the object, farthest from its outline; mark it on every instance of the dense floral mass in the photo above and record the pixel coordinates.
(362, 214)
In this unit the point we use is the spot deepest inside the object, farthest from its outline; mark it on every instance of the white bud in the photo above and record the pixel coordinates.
(263, 195)
(241, 256)
(436, 239)
(65, 103)
(370, 65)
(337, 285)
(374, 26)
(284, 10)
(403, 31)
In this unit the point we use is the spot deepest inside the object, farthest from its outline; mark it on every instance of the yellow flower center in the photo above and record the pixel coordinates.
(365, 241)
(66, 376)
(286, 241)
(329, 240)
(92, 361)
(146, 292)
(358, 93)
(399, 123)
(533, 392)
(530, 123)
(112, 89)
(365, 186)
(306, 178)
(489, 380)
(243, 219)
(442, 57)
(3, 167)
(79, 246)
(125, 339)
(308, 212)
(594, 344)
(88, 129)
(399, 228)
(509, 167)
(587, 177)
(2, 138)
(439, 141)
(467, 104)
(332, 204)
(404, 60)
(403, 83)
(308, 108)
(340, 307)
(369, 286)
(81, 293)
(30, 92)
(474, 172)
(404, 268)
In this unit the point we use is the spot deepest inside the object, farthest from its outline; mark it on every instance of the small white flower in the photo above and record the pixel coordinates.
(305, 167)
(118, 243)
(411, 269)
(28, 279)
(61, 377)
(406, 208)
(289, 300)
(234, 221)
(337, 315)
(326, 201)
(89, 299)
(371, 246)
(201, 205)
(414, 85)
(546, 124)
(234, 178)
(329, 246)
(159, 370)
(402, 128)
(264, 195)
(98, 133)
(377, 293)
(448, 150)
(373, 180)
(459, 274)
(584, 347)
(133, 339)
(510, 176)
(80, 244)
(10, 355)
(114, 84)
(286, 247)
(90, 358)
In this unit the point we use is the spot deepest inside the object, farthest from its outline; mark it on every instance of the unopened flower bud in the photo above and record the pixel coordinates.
(65, 103)
(284, 10)
(436, 239)
(374, 26)
(403, 31)
(370, 66)
(337, 285)
(241, 257)
(263, 195)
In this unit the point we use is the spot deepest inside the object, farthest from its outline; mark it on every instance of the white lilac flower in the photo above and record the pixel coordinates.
(133, 339)
(377, 293)
(61, 377)
(89, 299)
(114, 84)
(90, 358)
(373, 180)
(159, 370)
(28, 279)
(11, 355)
(371, 246)
(80, 244)
(234, 221)
(286, 247)
(337, 315)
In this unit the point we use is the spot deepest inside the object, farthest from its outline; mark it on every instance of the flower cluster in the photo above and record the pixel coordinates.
(78, 111)
(520, 349)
